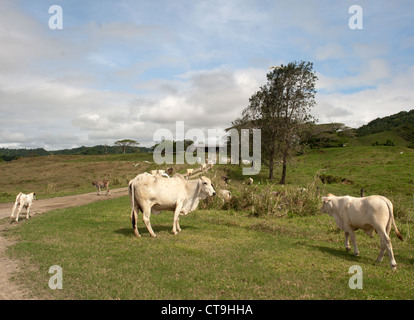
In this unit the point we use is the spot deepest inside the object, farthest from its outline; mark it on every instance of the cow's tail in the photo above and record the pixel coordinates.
(392, 220)
(134, 213)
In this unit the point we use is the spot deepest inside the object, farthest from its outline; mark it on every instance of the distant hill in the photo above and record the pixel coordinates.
(393, 130)
(400, 124)
(13, 154)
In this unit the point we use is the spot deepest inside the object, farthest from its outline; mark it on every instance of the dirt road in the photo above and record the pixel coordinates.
(44, 205)
(8, 289)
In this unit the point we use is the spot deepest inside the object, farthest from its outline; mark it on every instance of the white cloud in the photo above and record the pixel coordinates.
(330, 51)
(371, 74)
(129, 68)
(358, 108)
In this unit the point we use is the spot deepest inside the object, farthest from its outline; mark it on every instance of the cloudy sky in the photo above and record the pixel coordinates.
(123, 69)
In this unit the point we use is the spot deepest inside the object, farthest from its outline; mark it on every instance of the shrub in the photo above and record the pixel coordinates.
(264, 201)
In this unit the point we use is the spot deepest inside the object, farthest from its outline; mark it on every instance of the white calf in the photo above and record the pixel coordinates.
(23, 200)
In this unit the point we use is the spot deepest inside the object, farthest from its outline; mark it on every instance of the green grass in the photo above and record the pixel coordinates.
(381, 138)
(218, 255)
(223, 254)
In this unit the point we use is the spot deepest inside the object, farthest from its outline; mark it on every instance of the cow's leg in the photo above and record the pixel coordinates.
(347, 246)
(134, 219)
(382, 251)
(386, 242)
(107, 191)
(353, 239)
(146, 214)
(14, 209)
(176, 218)
(178, 224)
(28, 211)
(99, 190)
(18, 212)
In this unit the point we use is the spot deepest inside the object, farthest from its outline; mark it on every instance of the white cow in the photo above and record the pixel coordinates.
(225, 194)
(159, 173)
(23, 201)
(152, 194)
(369, 214)
(189, 172)
(203, 167)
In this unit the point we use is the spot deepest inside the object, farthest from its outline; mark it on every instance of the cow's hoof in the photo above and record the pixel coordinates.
(356, 254)
(394, 267)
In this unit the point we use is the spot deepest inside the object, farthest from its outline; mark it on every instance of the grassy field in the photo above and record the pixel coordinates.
(218, 255)
(227, 254)
(51, 176)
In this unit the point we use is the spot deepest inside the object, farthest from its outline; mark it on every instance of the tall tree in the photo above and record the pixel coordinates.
(126, 143)
(279, 109)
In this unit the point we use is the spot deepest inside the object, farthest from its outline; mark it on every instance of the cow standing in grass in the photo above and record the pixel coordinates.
(23, 201)
(153, 194)
(101, 184)
(369, 214)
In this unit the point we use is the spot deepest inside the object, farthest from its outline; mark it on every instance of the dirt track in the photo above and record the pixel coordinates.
(8, 289)
(44, 205)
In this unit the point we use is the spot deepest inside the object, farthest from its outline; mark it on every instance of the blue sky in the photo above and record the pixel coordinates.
(123, 69)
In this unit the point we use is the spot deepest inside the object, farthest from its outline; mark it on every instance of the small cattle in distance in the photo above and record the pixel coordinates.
(23, 201)
(225, 194)
(100, 185)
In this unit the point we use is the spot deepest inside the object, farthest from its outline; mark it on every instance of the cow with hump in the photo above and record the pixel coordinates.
(153, 194)
(369, 214)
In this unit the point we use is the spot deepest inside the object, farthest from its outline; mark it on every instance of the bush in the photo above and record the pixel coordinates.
(264, 201)
(329, 179)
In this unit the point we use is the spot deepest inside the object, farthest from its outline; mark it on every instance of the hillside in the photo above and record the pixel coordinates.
(13, 154)
(393, 130)
(400, 124)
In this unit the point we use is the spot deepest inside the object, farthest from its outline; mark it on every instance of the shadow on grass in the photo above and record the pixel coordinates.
(337, 252)
(127, 232)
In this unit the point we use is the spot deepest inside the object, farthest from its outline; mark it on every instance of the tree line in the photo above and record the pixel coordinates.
(13, 154)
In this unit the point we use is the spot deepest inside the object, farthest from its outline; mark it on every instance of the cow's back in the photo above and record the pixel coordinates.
(364, 211)
(159, 190)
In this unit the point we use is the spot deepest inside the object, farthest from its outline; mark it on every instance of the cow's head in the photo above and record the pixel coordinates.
(327, 204)
(207, 189)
